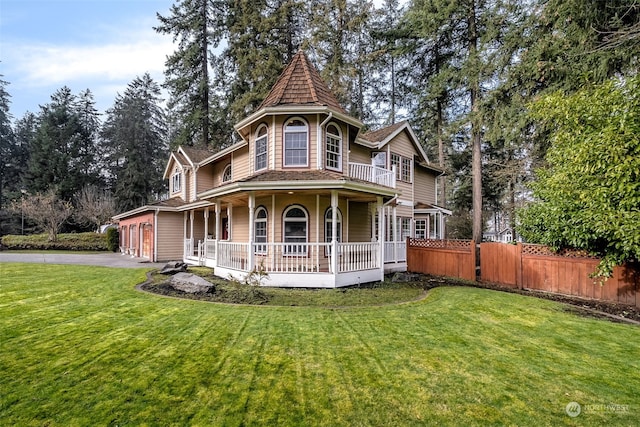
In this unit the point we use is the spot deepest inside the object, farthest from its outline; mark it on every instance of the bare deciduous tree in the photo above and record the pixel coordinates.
(47, 210)
(94, 206)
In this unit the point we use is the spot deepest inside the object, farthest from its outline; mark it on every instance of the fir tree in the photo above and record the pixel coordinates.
(198, 26)
(135, 134)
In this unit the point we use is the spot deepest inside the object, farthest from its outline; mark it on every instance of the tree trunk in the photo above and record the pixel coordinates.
(476, 165)
(205, 77)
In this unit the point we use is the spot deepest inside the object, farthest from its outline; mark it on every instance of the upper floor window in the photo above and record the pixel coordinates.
(406, 169)
(296, 143)
(403, 167)
(295, 221)
(333, 147)
(226, 174)
(261, 148)
(176, 181)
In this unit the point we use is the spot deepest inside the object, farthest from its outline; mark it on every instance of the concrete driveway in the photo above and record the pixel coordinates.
(106, 259)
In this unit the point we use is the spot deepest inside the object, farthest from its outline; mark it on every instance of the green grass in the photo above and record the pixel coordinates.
(80, 346)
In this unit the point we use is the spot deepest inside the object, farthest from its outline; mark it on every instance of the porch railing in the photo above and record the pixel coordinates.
(358, 256)
(395, 251)
(293, 257)
(373, 173)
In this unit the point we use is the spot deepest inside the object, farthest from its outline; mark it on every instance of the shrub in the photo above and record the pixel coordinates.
(113, 239)
(69, 242)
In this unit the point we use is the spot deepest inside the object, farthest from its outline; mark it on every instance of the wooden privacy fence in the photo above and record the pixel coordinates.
(524, 266)
(454, 258)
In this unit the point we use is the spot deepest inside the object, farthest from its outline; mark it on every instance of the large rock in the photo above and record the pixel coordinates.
(191, 284)
(174, 267)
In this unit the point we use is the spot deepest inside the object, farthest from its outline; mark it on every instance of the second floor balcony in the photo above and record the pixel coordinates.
(373, 174)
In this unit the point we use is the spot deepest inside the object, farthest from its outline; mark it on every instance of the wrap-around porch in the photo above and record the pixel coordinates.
(292, 252)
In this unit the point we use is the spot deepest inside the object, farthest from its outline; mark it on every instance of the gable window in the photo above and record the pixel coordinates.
(406, 169)
(226, 174)
(333, 147)
(261, 148)
(176, 181)
(395, 161)
(403, 167)
(295, 222)
(260, 230)
(296, 143)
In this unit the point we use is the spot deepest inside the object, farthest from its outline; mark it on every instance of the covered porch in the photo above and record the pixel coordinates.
(325, 238)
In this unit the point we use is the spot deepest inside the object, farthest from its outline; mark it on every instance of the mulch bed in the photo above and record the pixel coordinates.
(614, 312)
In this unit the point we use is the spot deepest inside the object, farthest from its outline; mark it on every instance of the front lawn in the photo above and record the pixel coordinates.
(80, 346)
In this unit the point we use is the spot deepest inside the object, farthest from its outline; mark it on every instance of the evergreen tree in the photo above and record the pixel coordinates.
(198, 26)
(7, 144)
(62, 151)
(135, 135)
(263, 37)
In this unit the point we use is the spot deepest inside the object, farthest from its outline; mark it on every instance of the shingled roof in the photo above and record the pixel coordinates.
(301, 84)
(381, 134)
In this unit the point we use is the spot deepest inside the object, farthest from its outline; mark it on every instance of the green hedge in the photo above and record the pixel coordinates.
(67, 242)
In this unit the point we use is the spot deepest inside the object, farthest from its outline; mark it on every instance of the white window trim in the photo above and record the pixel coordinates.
(176, 178)
(284, 142)
(261, 247)
(298, 251)
(266, 148)
(339, 139)
(226, 179)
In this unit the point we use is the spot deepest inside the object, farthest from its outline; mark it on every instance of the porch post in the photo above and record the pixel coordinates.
(230, 221)
(252, 208)
(206, 223)
(395, 232)
(334, 231)
(218, 226)
(193, 241)
(184, 233)
(381, 221)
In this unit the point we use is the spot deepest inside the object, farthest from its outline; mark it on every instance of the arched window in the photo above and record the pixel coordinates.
(261, 148)
(328, 225)
(296, 143)
(226, 174)
(295, 226)
(333, 147)
(260, 230)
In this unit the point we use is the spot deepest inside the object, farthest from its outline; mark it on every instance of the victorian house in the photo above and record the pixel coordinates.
(304, 194)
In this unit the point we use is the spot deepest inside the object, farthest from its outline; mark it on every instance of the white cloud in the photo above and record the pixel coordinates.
(42, 65)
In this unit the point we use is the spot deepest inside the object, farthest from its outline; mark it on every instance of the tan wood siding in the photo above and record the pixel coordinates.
(240, 164)
(359, 222)
(425, 186)
(170, 242)
(359, 154)
(206, 178)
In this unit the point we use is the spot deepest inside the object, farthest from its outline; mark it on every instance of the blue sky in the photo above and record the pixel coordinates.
(100, 45)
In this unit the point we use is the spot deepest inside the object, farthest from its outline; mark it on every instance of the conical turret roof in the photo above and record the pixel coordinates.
(301, 84)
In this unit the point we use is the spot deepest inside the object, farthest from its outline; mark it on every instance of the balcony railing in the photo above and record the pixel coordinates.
(373, 173)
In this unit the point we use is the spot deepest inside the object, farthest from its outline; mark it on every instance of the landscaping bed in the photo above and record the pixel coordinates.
(395, 289)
